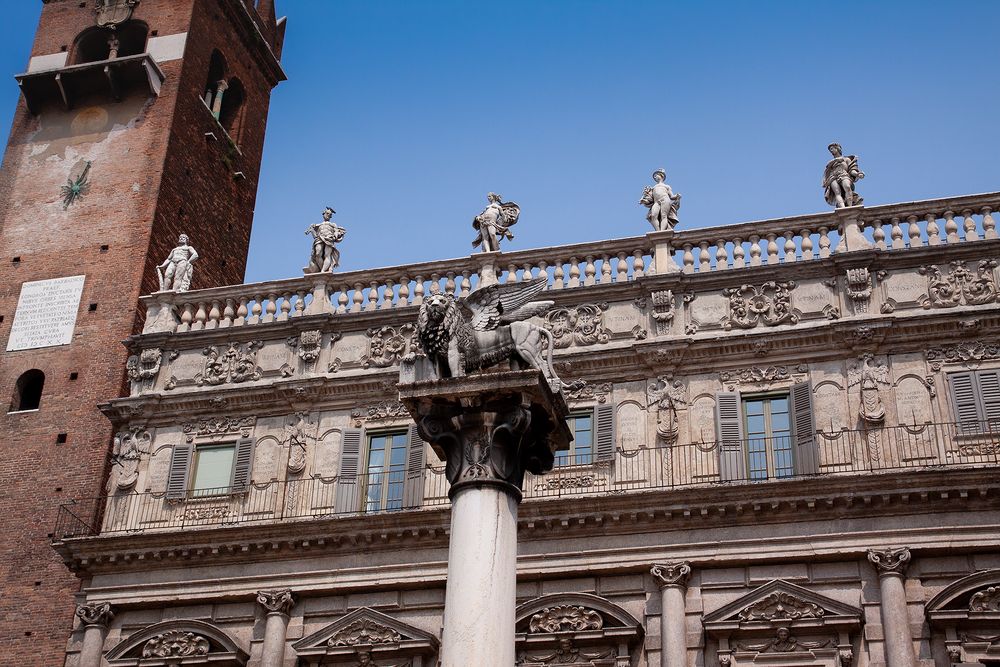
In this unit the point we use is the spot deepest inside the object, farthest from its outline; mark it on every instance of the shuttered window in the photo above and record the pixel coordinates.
(604, 423)
(385, 474)
(581, 450)
(975, 398)
(209, 470)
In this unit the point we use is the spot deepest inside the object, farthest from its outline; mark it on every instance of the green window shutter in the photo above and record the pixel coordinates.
(989, 396)
(804, 429)
(348, 489)
(180, 471)
(964, 401)
(729, 436)
(604, 429)
(413, 484)
(242, 465)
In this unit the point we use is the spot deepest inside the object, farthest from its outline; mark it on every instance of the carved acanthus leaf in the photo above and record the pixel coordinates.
(780, 606)
(960, 286)
(174, 644)
(565, 618)
(987, 599)
(769, 304)
(364, 631)
(578, 325)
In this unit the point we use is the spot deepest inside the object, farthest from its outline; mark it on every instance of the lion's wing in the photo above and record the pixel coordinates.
(527, 311)
(492, 306)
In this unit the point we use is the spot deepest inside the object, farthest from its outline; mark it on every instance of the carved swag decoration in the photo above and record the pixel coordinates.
(970, 354)
(382, 411)
(578, 325)
(388, 346)
(961, 286)
(750, 305)
(364, 632)
(219, 426)
(565, 654)
(565, 618)
(784, 642)
(237, 364)
(174, 644)
(781, 606)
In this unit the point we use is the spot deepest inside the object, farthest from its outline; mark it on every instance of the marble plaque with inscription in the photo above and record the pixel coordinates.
(46, 313)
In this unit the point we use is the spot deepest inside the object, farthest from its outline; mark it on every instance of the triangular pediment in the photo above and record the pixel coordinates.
(178, 642)
(781, 602)
(370, 631)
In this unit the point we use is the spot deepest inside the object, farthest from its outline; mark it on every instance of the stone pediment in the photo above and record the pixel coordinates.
(781, 603)
(967, 612)
(367, 634)
(180, 642)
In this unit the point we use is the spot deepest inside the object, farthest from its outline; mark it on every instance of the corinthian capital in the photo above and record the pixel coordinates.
(890, 561)
(95, 613)
(671, 574)
(276, 602)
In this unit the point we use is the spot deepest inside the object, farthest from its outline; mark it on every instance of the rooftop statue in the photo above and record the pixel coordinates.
(841, 173)
(326, 235)
(178, 268)
(662, 202)
(494, 223)
(487, 328)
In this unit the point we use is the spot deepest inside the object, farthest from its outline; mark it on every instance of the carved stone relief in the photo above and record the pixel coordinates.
(382, 411)
(769, 304)
(757, 375)
(663, 310)
(129, 446)
(95, 613)
(961, 286)
(219, 427)
(784, 642)
(969, 354)
(565, 618)
(308, 344)
(143, 367)
(362, 632)
(986, 600)
(667, 394)
(236, 364)
(581, 390)
(868, 374)
(297, 436)
(565, 654)
(780, 605)
(276, 602)
(631, 426)
(578, 325)
(174, 644)
(387, 345)
(859, 288)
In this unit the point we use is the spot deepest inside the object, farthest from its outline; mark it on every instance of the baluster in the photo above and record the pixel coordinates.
(435, 283)
(558, 275)
(256, 309)
(754, 250)
(342, 299)
(574, 272)
(878, 234)
(418, 291)
(357, 298)
(807, 244)
(286, 307)
(969, 223)
(388, 296)
(789, 247)
(372, 303)
(404, 292)
(466, 284)
(526, 272)
(543, 270)
(241, 312)
(606, 269)
(227, 314)
(271, 309)
(199, 317)
(950, 227)
(214, 315)
(914, 232)
(722, 255)
(511, 274)
(989, 225)
(933, 231)
(638, 265)
(704, 259)
(589, 271)
(739, 254)
(449, 283)
(300, 303)
(772, 249)
(896, 233)
(622, 268)
(187, 316)
(824, 242)
(688, 260)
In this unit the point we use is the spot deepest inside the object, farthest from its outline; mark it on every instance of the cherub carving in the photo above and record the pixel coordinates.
(486, 328)
(494, 223)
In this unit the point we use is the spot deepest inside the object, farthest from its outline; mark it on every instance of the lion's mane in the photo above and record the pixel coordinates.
(436, 333)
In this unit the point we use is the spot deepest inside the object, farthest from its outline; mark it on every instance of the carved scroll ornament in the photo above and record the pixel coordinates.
(985, 600)
(578, 325)
(145, 365)
(276, 602)
(890, 561)
(236, 364)
(769, 304)
(783, 642)
(389, 345)
(961, 286)
(95, 613)
(174, 644)
(781, 605)
(364, 631)
(565, 618)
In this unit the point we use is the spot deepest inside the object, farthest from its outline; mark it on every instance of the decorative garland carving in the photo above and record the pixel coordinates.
(970, 354)
(219, 426)
(174, 644)
(781, 605)
(364, 631)
(557, 482)
(565, 618)
(206, 513)
(987, 599)
(961, 286)
(237, 364)
(565, 654)
(769, 304)
(783, 642)
(666, 394)
(388, 345)
(663, 310)
(382, 411)
(581, 390)
(578, 325)
(755, 375)
(129, 446)
(145, 365)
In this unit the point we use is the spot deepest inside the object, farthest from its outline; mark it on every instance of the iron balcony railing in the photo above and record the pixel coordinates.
(751, 461)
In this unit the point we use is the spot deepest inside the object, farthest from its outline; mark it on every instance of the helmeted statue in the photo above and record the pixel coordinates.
(326, 235)
(178, 268)
(486, 328)
(494, 223)
(839, 177)
(663, 203)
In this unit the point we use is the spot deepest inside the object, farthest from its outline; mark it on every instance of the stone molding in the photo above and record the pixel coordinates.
(671, 574)
(95, 613)
(276, 602)
(890, 562)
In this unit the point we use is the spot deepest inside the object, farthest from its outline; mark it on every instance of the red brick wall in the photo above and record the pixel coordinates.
(150, 160)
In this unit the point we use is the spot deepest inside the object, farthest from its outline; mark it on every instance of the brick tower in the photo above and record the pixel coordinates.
(139, 120)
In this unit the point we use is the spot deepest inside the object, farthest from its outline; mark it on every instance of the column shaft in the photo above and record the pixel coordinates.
(273, 652)
(895, 623)
(93, 646)
(672, 631)
(482, 579)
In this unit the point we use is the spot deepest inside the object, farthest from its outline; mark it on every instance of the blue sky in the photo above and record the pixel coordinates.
(402, 115)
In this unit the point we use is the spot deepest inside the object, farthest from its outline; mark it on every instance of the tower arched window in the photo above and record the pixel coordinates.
(96, 44)
(216, 84)
(28, 391)
(231, 110)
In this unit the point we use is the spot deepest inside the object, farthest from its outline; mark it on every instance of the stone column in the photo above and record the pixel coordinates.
(220, 91)
(891, 567)
(850, 224)
(95, 617)
(490, 429)
(663, 252)
(277, 605)
(489, 262)
(672, 579)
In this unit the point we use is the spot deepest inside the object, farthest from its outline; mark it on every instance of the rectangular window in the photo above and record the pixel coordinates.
(213, 470)
(768, 429)
(975, 397)
(581, 450)
(385, 471)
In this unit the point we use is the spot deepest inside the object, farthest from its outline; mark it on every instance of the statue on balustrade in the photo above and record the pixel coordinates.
(663, 203)
(178, 268)
(494, 223)
(487, 328)
(326, 235)
(839, 178)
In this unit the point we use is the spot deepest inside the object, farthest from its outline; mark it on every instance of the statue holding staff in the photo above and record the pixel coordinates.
(178, 268)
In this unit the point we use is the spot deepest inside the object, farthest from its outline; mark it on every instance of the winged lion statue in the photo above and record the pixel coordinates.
(486, 328)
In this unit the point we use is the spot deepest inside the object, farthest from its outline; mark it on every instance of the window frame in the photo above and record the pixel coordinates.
(568, 456)
(213, 491)
(769, 438)
(365, 474)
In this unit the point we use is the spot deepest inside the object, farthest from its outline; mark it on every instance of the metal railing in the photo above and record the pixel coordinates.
(757, 460)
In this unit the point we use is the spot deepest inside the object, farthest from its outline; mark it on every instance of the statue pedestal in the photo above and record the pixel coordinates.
(490, 429)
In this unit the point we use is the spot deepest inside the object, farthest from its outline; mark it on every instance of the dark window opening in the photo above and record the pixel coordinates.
(96, 44)
(28, 391)
(216, 81)
(231, 110)
(61, 439)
